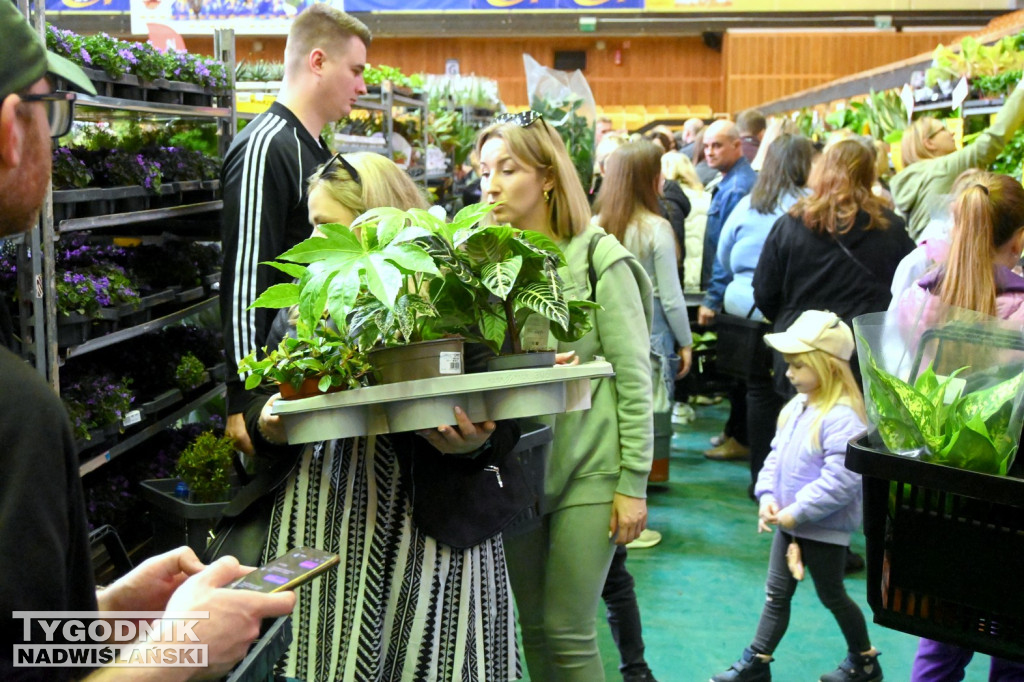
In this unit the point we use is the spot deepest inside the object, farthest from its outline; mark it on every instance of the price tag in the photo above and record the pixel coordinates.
(450, 363)
(132, 418)
(535, 333)
(960, 92)
(907, 95)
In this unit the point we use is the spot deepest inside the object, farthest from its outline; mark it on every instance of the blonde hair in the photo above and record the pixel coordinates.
(540, 147)
(320, 26)
(609, 143)
(987, 213)
(381, 183)
(679, 167)
(912, 146)
(836, 386)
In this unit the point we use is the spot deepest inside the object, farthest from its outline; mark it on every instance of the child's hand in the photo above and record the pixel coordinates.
(786, 519)
(767, 514)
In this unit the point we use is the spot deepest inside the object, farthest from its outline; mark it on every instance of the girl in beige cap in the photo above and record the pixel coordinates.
(806, 490)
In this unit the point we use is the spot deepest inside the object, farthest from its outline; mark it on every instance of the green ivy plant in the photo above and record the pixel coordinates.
(968, 432)
(190, 373)
(325, 355)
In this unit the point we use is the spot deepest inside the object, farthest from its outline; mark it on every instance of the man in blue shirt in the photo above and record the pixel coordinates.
(724, 152)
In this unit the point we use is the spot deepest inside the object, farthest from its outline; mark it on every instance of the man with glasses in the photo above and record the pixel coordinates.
(264, 179)
(45, 558)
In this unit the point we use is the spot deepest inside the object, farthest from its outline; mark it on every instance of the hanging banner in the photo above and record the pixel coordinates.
(87, 6)
(202, 17)
(407, 5)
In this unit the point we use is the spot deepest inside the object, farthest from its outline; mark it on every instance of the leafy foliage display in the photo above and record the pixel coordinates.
(206, 465)
(968, 431)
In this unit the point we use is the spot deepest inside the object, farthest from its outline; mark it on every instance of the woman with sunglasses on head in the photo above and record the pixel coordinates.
(596, 476)
(402, 605)
(932, 162)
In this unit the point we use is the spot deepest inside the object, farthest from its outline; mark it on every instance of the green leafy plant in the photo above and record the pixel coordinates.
(205, 466)
(324, 354)
(575, 129)
(189, 373)
(965, 431)
(409, 276)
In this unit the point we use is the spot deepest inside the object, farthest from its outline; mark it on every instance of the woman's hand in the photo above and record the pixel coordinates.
(629, 517)
(567, 358)
(270, 425)
(461, 439)
(767, 514)
(685, 361)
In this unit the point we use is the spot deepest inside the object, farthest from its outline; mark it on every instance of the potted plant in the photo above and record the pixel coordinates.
(400, 277)
(205, 466)
(374, 279)
(308, 363)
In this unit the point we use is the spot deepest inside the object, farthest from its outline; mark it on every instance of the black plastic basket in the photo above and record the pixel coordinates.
(945, 551)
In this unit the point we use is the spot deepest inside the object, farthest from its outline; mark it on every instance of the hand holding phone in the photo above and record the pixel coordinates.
(288, 571)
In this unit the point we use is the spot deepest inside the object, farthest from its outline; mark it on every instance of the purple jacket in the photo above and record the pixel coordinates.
(826, 496)
(919, 301)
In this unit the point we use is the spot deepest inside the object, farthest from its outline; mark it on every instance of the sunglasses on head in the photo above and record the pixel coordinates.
(349, 168)
(60, 110)
(523, 119)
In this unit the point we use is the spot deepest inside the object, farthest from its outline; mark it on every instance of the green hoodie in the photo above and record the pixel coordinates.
(609, 448)
(921, 188)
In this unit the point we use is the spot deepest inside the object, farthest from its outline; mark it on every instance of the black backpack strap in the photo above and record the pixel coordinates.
(591, 271)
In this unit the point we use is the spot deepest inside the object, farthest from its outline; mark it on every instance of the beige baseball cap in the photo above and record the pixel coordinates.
(815, 330)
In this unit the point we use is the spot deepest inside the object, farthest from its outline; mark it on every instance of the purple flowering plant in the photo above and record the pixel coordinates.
(126, 168)
(68, 44)
(95, 401)
(87, 291)
(69, 171)
(110, 54)
(149, 63)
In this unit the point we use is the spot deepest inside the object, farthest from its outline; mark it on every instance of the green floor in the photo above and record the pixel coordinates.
(701, 589)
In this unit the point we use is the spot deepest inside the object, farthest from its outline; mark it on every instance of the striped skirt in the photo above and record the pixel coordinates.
(400, 606)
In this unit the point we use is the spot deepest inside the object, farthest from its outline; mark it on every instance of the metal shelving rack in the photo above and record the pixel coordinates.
(38, 275)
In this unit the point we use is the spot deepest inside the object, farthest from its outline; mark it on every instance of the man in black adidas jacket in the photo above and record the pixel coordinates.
(264, 178)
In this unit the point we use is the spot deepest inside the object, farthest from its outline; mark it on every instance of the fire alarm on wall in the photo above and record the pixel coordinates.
(617, 57)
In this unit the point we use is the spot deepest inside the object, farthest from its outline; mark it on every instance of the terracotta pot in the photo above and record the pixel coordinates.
(422, 360)
(309, 388)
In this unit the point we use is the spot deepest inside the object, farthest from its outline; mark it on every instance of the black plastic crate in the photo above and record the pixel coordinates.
(945, 550)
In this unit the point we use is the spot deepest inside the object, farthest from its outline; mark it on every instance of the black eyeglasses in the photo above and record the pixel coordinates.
(523, 119)
(349, 168)
(60, 110)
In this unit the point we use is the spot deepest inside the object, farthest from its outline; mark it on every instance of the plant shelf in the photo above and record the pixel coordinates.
(428, 403)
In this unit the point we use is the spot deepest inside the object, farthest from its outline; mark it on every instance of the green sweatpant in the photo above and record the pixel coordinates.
(557, 573)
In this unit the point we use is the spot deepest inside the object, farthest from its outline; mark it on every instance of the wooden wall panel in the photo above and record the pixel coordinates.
(752, 67)
(761, 67)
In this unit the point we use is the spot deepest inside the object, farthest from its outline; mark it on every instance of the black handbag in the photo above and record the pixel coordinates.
(740, 351)
(462, 501)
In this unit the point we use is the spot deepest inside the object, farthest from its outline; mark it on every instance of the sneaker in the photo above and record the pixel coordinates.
(647, 538)
(683, 413)
(750, 668)
(856, 668)
(729, 450)
(854, 562)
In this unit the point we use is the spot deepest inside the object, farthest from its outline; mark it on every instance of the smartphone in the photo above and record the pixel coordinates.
(288, 571)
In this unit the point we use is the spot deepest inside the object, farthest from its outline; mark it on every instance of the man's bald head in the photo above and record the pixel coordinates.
(722, 147)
